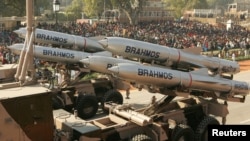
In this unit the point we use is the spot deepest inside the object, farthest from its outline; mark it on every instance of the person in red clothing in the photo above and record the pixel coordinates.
(3, 60)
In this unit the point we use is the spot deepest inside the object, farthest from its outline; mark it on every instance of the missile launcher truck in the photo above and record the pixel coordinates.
(165, 120)
(27, 113)
(168, 119)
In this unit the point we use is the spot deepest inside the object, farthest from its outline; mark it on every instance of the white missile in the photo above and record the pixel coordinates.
(57, 54)
(167, 78)
(165, 55)
(58, 38)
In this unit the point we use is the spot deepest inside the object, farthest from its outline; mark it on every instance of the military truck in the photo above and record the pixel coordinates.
(169, 119)
(28, 110)
(85, 96)
(29, 116)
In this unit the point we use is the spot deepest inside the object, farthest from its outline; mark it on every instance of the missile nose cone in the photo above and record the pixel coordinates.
(20, 31)
(17, 31)
(11, 47)
(114, 69)
(85, 61)
(15, 48)
(104, 42)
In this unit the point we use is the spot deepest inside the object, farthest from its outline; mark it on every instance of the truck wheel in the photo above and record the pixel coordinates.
(114, 96)
(201, 133)
(183, 133)
(87, 106)
(141, 137)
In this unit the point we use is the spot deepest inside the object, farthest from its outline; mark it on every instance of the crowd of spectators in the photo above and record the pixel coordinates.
(172, 33)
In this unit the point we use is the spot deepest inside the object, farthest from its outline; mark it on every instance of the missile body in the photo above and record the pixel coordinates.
(102, 63)
(53, 37)
(57, 54)
(167, 78)
(149, 51)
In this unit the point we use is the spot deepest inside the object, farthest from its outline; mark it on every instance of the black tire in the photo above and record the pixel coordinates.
(182, 133)
(87, 106)
(201, 132)
(112, 96)
(100, 92)
(57, 103)
(113, 137)
(141, 137)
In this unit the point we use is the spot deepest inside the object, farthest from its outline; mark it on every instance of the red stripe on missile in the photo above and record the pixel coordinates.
(191, 80)
(84, 43)
(179, 57)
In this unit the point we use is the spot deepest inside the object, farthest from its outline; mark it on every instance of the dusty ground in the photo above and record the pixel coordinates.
(244, 65)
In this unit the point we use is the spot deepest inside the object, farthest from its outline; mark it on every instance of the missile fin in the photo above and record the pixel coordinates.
(97, 38)
(202, 71)
(103, 53)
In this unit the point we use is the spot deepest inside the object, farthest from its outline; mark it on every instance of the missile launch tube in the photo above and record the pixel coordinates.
(140, 120)
(162, 77)
(148, 119)
(53, 37)
(57, 54)
(149, 51)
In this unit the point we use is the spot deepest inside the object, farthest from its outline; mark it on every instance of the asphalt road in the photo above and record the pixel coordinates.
(239, 113)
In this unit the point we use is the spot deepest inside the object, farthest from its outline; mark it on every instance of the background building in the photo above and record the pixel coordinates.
(155, 10)
(239, 9)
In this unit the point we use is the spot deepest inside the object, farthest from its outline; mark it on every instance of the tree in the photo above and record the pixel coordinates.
(12, 8)
(41, 5)
(76, 8)
(131, 8)
(18, 7)
(95, 8)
